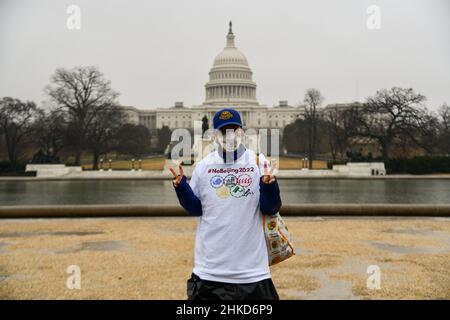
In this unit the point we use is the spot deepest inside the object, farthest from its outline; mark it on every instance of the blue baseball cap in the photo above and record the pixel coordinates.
(225, 117)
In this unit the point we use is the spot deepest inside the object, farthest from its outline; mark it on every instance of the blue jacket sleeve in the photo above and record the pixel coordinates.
(188, 199)
(269, 198)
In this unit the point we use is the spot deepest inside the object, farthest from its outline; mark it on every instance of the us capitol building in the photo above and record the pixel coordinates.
(230, 85)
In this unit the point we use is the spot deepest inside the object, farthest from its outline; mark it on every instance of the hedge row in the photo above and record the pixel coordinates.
(419, 165)
(416, 165)
(8, 169)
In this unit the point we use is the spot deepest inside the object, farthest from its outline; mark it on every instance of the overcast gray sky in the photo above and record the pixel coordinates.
(156, 52)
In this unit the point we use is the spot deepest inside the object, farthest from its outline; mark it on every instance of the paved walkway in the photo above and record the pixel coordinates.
(151, 258)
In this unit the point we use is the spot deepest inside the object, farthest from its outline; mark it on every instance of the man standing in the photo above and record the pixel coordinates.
(230, 190)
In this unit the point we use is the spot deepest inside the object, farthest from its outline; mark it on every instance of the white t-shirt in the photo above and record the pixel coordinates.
(230, 245)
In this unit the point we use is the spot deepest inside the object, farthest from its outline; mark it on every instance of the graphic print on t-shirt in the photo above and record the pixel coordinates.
(234, 182)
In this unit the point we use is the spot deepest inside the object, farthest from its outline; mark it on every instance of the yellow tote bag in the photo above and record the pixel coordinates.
(278, 239)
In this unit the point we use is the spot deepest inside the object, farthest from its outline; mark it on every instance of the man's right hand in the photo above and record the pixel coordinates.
(177, 177)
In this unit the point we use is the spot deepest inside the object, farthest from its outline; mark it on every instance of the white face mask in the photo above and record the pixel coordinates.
(230, 141)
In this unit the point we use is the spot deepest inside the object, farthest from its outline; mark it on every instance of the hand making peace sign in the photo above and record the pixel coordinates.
(177, 177)
(268, 176)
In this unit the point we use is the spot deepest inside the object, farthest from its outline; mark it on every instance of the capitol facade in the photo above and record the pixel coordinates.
(230, 85)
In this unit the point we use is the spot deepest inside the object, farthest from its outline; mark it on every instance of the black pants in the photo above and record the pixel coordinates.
(198, 289)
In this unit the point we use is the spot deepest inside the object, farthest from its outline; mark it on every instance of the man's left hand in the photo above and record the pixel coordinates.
(268, 176)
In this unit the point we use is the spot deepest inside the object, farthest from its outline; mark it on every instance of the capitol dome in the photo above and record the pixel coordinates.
(230, 55)
(230, 78)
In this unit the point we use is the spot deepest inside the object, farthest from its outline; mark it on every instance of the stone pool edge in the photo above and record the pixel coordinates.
(305, 210)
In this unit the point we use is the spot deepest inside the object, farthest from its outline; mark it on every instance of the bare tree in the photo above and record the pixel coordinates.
(101, 135)
(444, 113)
(164, 135)
(444, 129)
(82, 93)
(390, 115)
(341, 127)
(424, 131)
(313, 99)
(15, 124)
(291, 134)
(49, 132)
(334, 130)
(134, 140)
(205, 124)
